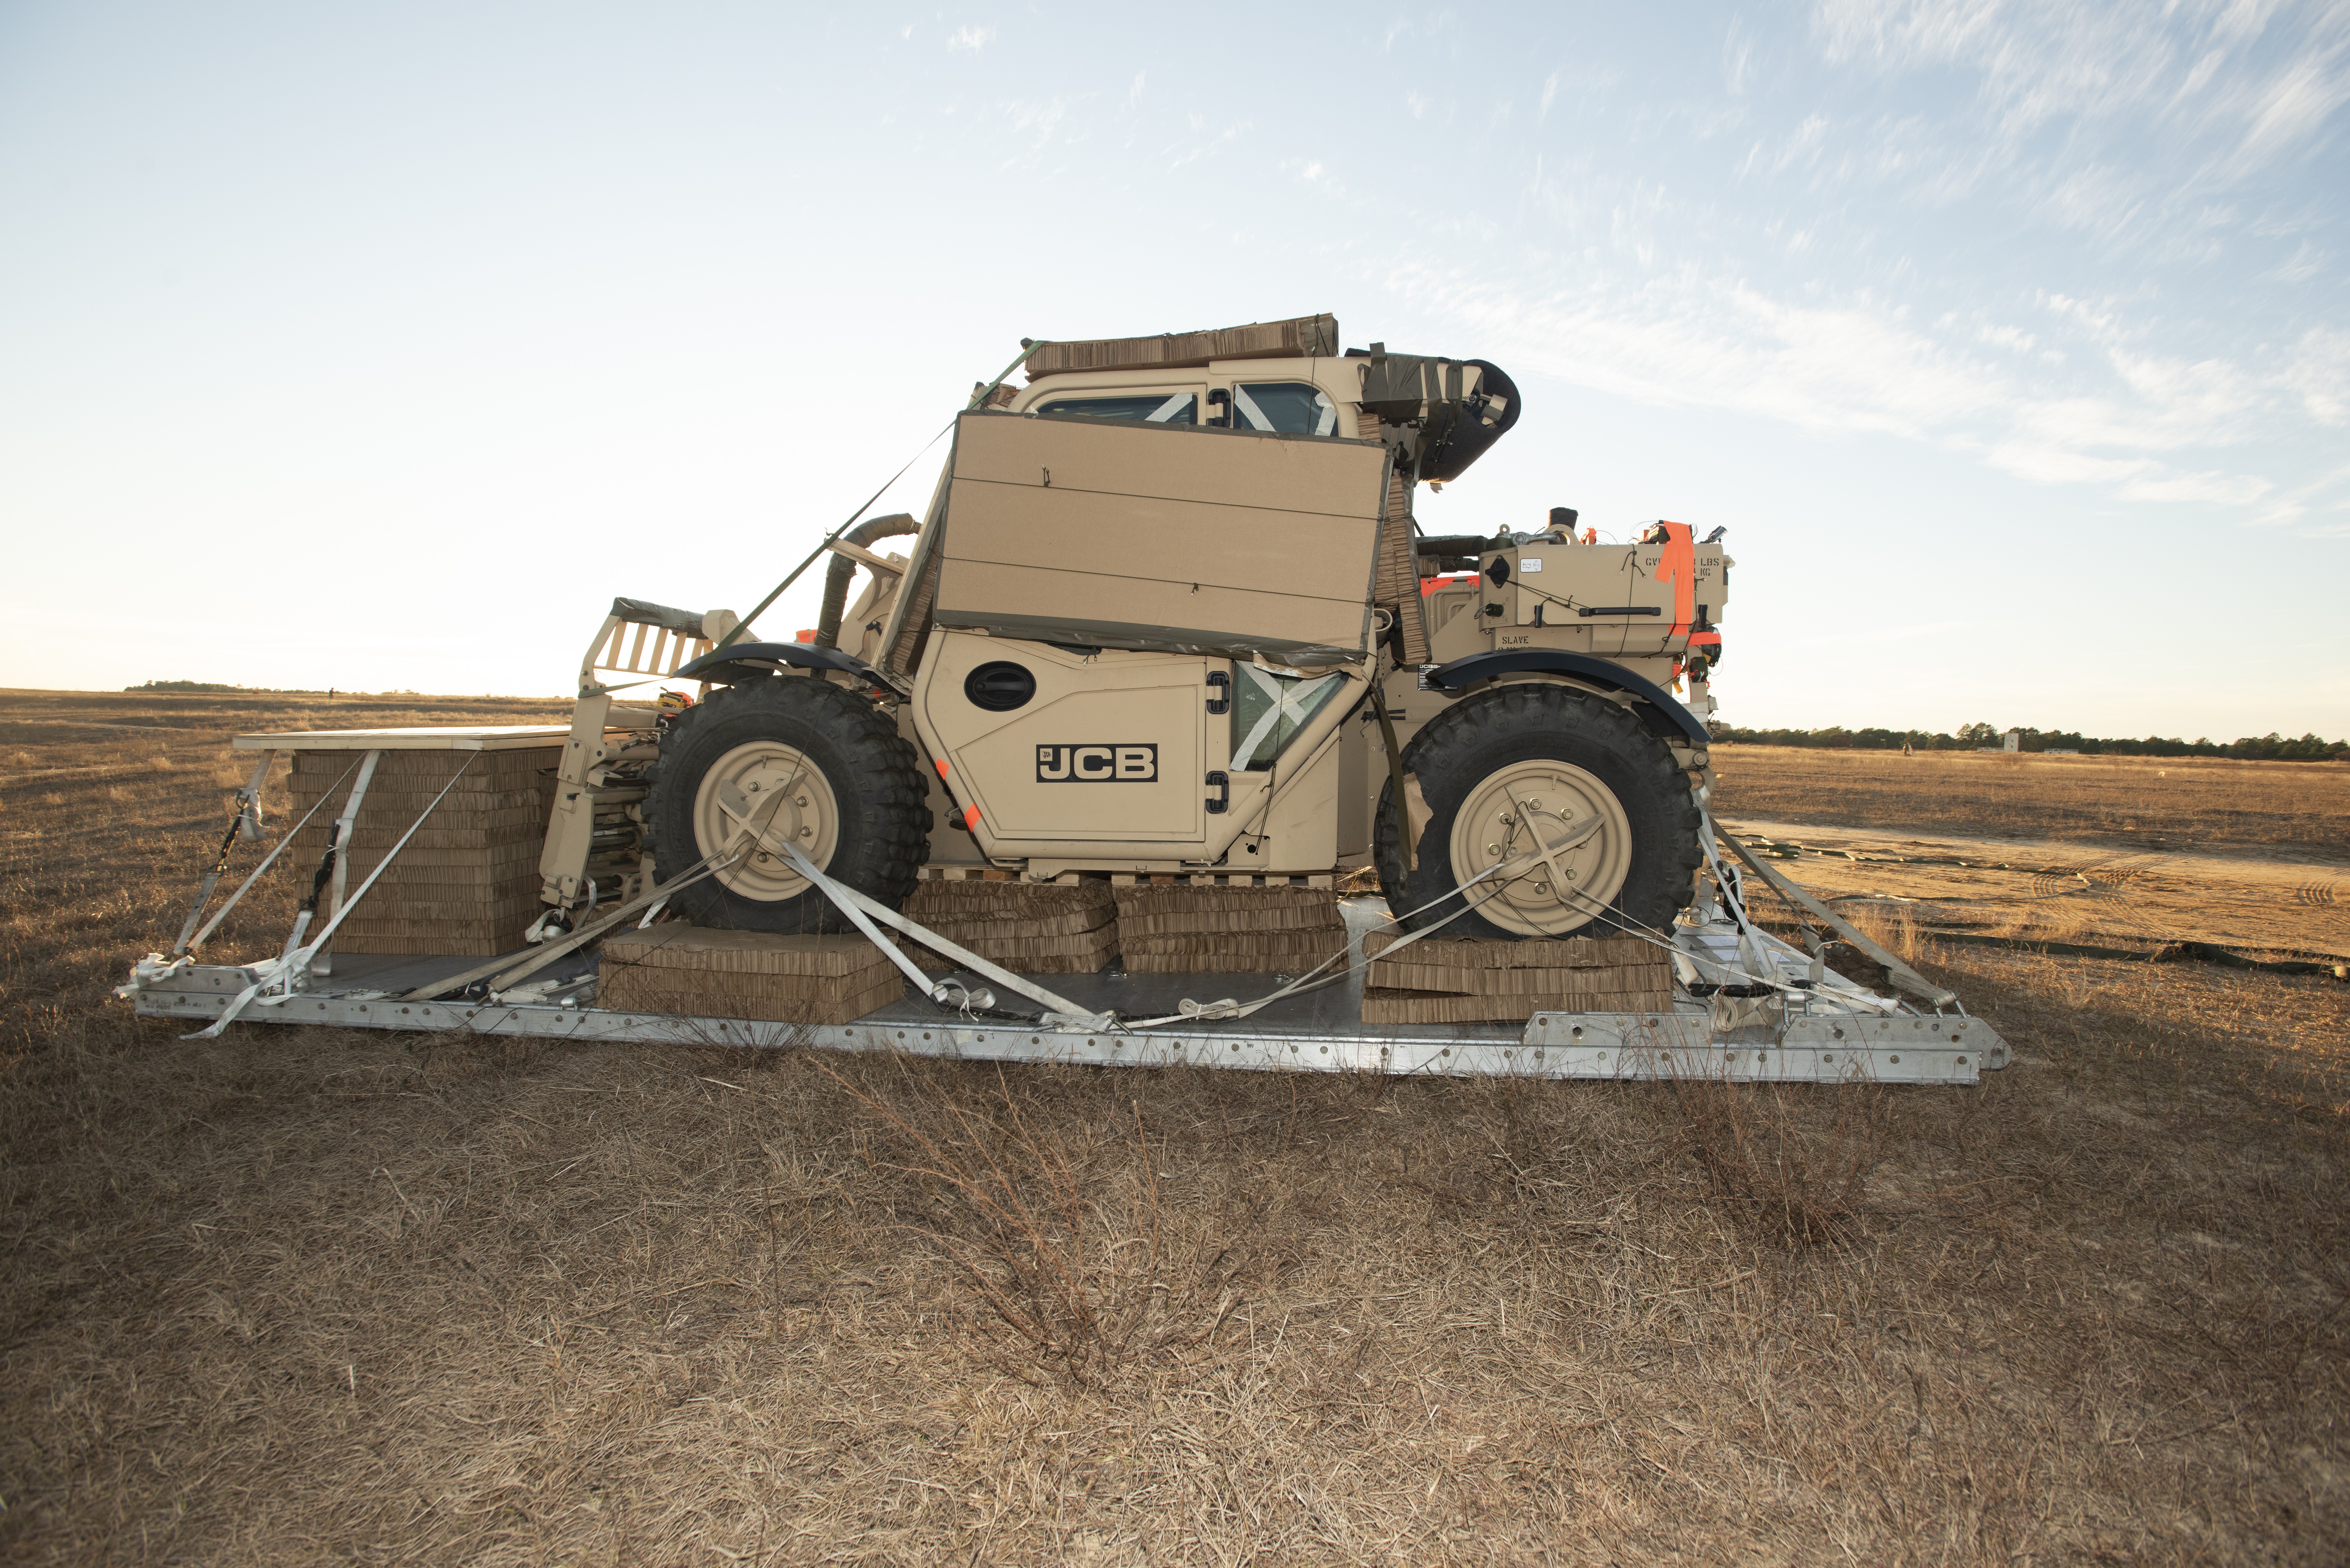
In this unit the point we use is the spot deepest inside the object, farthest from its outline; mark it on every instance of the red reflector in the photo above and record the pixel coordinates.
(971, 818)
(942, 767)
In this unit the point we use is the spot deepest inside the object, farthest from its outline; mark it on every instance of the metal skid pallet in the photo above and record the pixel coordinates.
(1750, 1007)
(1823, 1034)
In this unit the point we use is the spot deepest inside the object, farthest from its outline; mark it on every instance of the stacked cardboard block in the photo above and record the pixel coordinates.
(1177, 929)
(1466, 980)
(692, 973)
(1028, 927)
(467, 883)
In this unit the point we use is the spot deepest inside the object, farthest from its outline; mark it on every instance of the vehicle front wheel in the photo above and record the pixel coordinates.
(789, 760)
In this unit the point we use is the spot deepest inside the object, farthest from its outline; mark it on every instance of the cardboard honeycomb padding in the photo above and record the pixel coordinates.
(692, 972)
(1299, 337)
(1470, 980)
(467, 883)
(1028, 927)
(1179, 929)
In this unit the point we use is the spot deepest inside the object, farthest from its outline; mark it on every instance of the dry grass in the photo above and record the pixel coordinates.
(2133, 802)
(297, 1295)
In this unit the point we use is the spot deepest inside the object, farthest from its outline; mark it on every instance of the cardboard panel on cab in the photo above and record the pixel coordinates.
(1303, 336)
(684, 969)
(1161, 538)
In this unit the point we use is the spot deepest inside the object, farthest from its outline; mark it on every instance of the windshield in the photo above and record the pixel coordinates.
(1151, 408)
(1294, 407)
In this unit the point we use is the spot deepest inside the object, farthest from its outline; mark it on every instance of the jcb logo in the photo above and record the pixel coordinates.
(1097, 764)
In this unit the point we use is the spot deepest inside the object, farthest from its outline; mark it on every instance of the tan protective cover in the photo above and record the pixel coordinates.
(1305, 337)
(1175, 539)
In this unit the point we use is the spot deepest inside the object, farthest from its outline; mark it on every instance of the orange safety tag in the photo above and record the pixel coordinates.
(1678, 566)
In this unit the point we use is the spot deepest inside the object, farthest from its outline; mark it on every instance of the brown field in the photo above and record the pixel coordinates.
(2289, 810)
(302, 1295)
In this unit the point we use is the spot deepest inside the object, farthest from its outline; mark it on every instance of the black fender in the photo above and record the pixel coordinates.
(1665, 717)
(755, 661)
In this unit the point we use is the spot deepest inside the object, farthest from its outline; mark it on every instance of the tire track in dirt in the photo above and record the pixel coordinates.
(2048, 891)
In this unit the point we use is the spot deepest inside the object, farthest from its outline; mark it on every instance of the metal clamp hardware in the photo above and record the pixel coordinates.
(1588, 610)
(1216, 678)
(1220, 780)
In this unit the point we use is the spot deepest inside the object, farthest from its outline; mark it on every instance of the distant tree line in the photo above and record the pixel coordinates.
(217, 686)
(2271, 747)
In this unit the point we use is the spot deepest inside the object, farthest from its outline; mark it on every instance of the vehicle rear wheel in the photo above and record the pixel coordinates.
(789, 760)
(1540, 768)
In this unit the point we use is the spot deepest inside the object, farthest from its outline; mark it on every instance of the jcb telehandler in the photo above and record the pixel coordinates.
(1169, 612)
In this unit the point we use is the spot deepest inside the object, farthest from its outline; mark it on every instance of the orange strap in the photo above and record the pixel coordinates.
(1678, 565)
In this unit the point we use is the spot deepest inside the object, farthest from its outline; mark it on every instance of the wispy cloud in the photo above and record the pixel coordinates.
(2127, 418)
(2129, 124)
(971, 38)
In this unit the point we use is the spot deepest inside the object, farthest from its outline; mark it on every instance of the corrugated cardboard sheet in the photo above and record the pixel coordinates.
(1469, 979)
(1380, 1006)
(467, 883)
(1029, 928)
(1177, 929)
(1302, 337)
(684, 969)
(1160, 538)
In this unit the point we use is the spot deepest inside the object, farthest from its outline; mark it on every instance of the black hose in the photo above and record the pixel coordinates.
(836, 576)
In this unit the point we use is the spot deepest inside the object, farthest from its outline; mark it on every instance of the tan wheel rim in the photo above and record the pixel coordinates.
(807, 815)
(1523, 807)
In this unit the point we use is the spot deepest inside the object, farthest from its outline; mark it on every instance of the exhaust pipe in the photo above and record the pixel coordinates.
(836, 576)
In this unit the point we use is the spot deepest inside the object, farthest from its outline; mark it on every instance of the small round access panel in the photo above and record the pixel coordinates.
(999, 686)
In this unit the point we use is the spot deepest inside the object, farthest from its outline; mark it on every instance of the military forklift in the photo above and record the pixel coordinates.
(1169, 612)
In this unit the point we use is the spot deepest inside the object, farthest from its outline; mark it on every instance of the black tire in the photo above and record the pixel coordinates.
(1482, 738)
(867, 828)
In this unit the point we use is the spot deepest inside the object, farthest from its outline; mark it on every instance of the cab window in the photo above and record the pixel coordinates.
(1294, 407)
(1150, 407)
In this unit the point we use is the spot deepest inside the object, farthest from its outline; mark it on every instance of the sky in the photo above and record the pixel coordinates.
(379, 346)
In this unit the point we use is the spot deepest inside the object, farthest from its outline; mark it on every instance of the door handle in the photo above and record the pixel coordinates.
(1218, 680)
(1220, 780)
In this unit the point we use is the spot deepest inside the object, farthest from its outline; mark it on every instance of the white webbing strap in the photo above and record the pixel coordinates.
(851, 903)
(281, 971)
